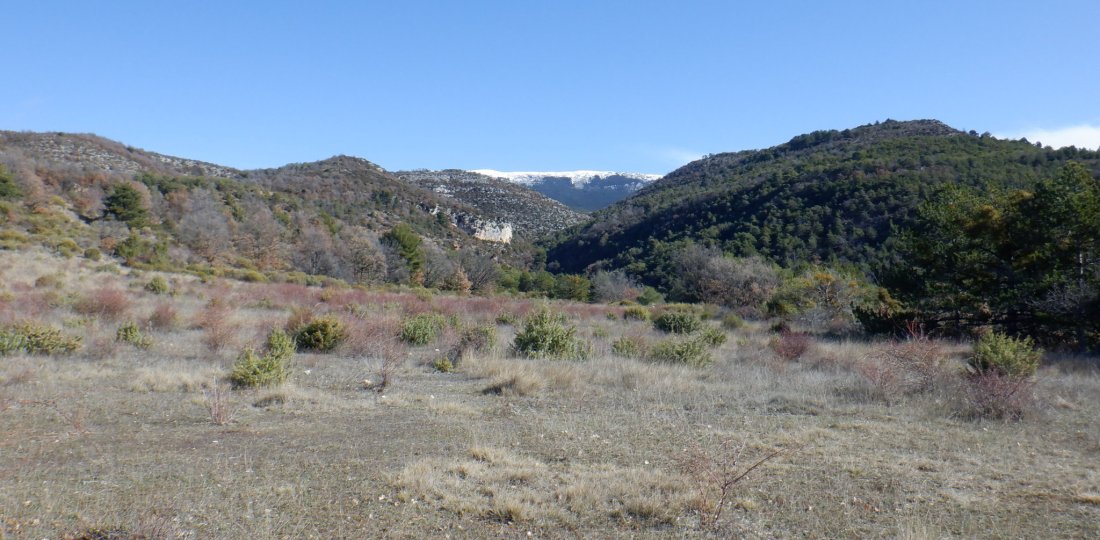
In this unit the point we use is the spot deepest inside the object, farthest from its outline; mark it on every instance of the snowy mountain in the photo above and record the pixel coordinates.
(582, 190)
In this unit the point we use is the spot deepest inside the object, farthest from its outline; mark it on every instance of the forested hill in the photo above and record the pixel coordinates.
(830, 196)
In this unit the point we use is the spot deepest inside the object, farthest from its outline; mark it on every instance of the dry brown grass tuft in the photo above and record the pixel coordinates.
(499, 485)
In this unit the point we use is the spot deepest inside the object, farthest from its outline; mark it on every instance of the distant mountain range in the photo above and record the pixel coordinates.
(581, 190)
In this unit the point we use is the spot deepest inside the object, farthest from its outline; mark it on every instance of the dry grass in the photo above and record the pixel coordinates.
(120, 439)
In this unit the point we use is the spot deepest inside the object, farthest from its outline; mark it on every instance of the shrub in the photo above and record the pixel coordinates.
(108, 303)
(545, 335)
(272, 368)
(323, 334)
(995, 395)
(37, 339)
(422, 328)
(93, 254)
(157, 285)
(164, 316)
(904, 367)
(733, 321)
(636, 313)
(712, 336)
(629, 347)
(130, 333)
(1005, 355)
(678, 322)
(790, 346)
(691, 352)
(443, 365)
(479, 338)
(505, 317)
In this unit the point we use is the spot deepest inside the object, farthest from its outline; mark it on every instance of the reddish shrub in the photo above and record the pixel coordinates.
(992, 395)
(107, 303)
(790, 346)
(900, 368)
(164, 316)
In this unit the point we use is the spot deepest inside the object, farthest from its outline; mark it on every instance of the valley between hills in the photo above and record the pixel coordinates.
(885, 331)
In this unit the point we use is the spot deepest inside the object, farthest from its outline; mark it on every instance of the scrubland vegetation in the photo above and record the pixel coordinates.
(141, 404)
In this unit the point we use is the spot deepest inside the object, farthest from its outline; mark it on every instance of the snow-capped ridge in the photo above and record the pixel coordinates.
(577, 178)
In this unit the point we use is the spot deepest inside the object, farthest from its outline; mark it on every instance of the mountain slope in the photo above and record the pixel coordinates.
(828, 195)
(582, 190)
(529, 212)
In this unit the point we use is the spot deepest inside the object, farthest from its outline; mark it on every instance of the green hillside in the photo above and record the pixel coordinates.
(833, 196)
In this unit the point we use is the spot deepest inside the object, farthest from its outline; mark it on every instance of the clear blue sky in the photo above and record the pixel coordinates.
(533, 85)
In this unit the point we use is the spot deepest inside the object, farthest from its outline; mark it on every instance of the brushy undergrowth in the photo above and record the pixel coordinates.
(33, 338)
(636, 313)
(691, 352)
(546, 335)
(712, 336)
(157, 285)
(321, 335)
(422, 328)
(630, 347)
(1005, 355)
(271, 368)
(130, 333)
(678, 322)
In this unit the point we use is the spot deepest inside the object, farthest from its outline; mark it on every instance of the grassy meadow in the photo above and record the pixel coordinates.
(440, 428)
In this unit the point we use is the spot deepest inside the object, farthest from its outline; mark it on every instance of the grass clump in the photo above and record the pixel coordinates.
(629, 347)
(546, 335)
(733, 321)
(130, 333)
(443, 365)
(712, 336)
(422, 328)
(157, 285)
(636, 313)
(678, 322)
(691, 352)
(1005, 356)
(37, 339)
(271, 368)
(321, 335)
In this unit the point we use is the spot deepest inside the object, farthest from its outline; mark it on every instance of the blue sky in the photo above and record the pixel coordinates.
(532, 85)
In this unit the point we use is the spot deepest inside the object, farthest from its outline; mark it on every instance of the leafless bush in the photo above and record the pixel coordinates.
(790, 345)
(107, 302)
(714, 474)
(219, 327)
(164, 316)
(904, 367)
(392, 353)
(216, 400)
(992, 395)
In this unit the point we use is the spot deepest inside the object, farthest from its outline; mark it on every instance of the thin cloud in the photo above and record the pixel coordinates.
(1082, 136)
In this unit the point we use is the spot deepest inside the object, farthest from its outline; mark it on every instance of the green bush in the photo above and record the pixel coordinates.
(130, 333)
(505, 317)
(322, 335)
(36, 339)
(1005, 355)
(269, 369)
(678, 322)
(157, 285)
(733, 321)
(443, 365)
(629, 347)
(93, 254)
(546, 335)
(712, 336)
(636, 313)
(691, 352)
(422, 328)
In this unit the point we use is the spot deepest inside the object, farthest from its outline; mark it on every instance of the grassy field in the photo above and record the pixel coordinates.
(116, 440)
